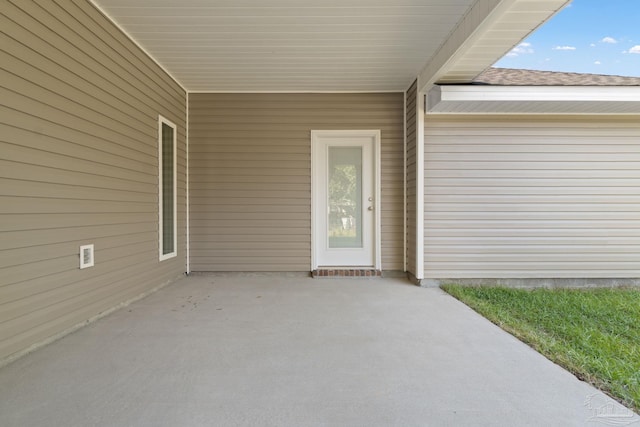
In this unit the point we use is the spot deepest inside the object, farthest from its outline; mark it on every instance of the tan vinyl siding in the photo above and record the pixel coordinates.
(532, 197)
(250, 175)
(411, 177)
(78, 165)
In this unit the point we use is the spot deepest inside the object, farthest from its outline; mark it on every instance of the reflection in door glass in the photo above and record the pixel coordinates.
(345, 197)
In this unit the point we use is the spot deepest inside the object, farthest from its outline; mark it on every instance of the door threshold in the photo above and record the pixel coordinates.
(338, 273)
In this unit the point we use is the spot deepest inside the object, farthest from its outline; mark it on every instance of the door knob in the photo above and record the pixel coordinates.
(370, 208)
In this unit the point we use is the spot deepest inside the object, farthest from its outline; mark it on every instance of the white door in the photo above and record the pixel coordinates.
(345, 198)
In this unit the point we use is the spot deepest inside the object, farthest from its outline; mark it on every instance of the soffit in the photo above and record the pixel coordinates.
(289, 45)
(328, 45)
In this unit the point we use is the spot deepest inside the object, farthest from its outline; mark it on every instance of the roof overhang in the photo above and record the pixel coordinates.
(488, 31)
(471, 99)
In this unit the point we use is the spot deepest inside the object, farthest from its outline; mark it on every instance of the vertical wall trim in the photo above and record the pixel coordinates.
(404, 169)
(420, 108)
(377, 176)
(188, 196)
(314, 262)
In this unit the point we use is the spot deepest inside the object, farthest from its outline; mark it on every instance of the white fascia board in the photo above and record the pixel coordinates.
(538, 93)
(528, 99)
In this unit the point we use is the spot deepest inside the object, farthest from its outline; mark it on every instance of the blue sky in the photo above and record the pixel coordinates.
(587, 36)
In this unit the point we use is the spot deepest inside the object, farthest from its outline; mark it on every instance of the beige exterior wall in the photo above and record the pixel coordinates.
(78, 165)
(532, 197)
(411, 173)
(250, 175)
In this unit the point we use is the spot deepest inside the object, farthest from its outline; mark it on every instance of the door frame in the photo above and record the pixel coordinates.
(316, 137)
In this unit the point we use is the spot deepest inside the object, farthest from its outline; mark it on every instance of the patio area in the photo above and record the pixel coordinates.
(277, 350)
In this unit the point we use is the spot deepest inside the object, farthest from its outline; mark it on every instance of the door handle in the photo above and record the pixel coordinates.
(370, 208)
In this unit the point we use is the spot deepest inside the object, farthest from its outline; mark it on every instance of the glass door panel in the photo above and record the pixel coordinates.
(344, 193)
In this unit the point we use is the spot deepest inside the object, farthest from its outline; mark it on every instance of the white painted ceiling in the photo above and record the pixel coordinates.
(305, 45)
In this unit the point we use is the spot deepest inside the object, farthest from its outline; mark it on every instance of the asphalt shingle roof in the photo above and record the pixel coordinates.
(515, 77)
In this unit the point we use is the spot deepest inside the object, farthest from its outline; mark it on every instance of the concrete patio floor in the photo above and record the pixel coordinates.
(291, 351)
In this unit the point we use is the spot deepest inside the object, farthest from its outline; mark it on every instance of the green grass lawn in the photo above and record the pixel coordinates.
(593, 333)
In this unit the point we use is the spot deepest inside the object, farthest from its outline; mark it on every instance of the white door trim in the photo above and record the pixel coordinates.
(316, 136)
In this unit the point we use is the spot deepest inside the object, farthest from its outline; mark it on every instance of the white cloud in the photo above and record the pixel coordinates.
(597, 63)
(521, 49)
(635, 49)
(592, 45)
(564, 48)
(609, 40)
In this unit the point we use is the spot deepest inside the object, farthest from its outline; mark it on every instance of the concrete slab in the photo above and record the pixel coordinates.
(292, 351)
